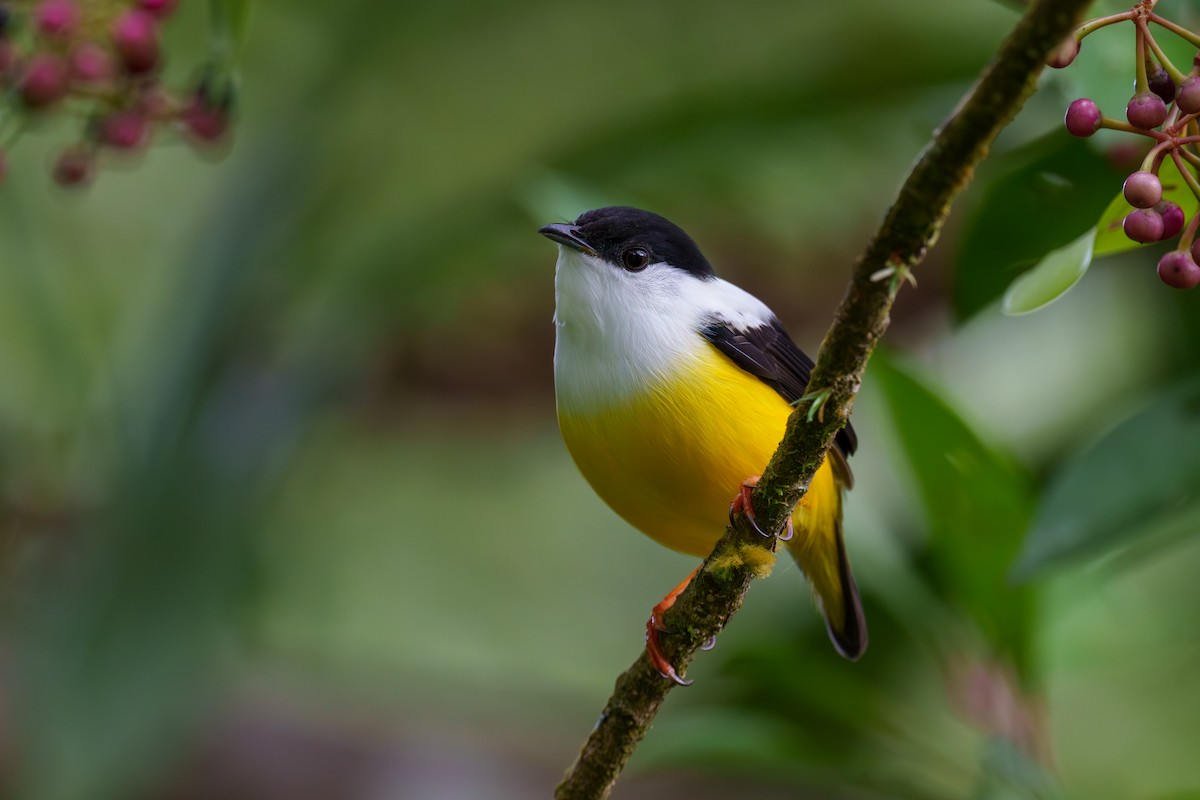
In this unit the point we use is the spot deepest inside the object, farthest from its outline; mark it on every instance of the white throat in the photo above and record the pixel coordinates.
(620, 333)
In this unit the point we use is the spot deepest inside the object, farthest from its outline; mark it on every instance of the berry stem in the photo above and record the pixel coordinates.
(1185, 125)
(1171, 69)
(1170, 123)
(1119, 125)
(1191, 157)
(1154, 158)
(1178, 30)
(1186, 172)
(1141, 83)
(1094, 25)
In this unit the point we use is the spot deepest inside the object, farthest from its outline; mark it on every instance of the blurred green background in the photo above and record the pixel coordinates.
(285, 513)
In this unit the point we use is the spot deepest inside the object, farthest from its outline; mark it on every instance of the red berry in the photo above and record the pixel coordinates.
(125, 130)
(56, 18)
(1146, 111)
(1143, 190)
(1179, 270)
(74, 167)
(1188, 98)
(1083, 118)
(1195, 249)
(1143, 225)
(91, 63)
(159, 8)
(1172, 217)
(1065, 54)
(135, 37)
(44, 81)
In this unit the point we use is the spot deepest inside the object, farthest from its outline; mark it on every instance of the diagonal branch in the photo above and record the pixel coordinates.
(909, 229)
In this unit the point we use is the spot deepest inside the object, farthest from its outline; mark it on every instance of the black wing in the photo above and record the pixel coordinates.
(769, 354)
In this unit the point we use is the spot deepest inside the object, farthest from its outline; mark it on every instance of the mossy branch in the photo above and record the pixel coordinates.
(911, 226)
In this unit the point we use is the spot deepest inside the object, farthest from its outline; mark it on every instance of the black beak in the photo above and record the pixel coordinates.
(566, 234)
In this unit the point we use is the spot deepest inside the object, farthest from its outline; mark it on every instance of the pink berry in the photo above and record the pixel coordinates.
(1146, 111)
(135, 37)
(125, 130)
(1143, 225)
(1083, 118)
(1143, 189)
(1161, 83)
(1172, 217)
(1188, 98)
(44, 80)
(91, 63)
(1195, 249)
(159, 8)
(1179, 270)
(205, 120)
(56, 18)
(1065, 54)
(75, 166)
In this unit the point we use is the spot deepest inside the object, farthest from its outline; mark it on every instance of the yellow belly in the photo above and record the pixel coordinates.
(670, 460)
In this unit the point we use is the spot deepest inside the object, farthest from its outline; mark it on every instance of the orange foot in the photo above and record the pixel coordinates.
(742, 504)
(654, 626)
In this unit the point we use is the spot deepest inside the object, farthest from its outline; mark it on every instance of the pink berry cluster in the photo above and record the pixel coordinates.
(1165, 108)
(101, 60)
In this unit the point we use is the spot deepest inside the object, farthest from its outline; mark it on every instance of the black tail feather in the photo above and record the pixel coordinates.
(851, 640)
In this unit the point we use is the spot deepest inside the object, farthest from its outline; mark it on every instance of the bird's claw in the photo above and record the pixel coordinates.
(742, 504)
(655, 653)
(654, 627)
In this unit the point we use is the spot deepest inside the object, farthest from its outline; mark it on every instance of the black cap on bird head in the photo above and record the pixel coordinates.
(615, 231)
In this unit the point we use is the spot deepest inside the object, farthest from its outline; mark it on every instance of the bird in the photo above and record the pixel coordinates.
(673, 387)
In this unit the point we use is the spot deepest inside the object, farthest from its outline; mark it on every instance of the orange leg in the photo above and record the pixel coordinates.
(654, 626)
(742, 504)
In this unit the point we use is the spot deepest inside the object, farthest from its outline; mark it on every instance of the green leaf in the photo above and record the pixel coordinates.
(118, 649)
(977, 501)
(1053, 277)
(1140, 479)
(230, 24)
(1110, 235)
(1036, 199)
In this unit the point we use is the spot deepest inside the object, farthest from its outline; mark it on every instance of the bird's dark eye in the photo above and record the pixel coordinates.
(635, 258)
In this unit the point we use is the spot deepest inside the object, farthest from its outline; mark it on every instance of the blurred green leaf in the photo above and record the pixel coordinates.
(1009, 773)
(977, 502)
(1139, 479)
(119, 655)
(1044, 196)
(230, 25)
(1053, 277)
(1110, 235)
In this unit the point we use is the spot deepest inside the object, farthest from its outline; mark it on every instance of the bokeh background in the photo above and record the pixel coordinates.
(284, 510)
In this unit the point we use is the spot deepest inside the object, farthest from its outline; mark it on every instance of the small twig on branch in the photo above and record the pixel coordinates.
(909, 229)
